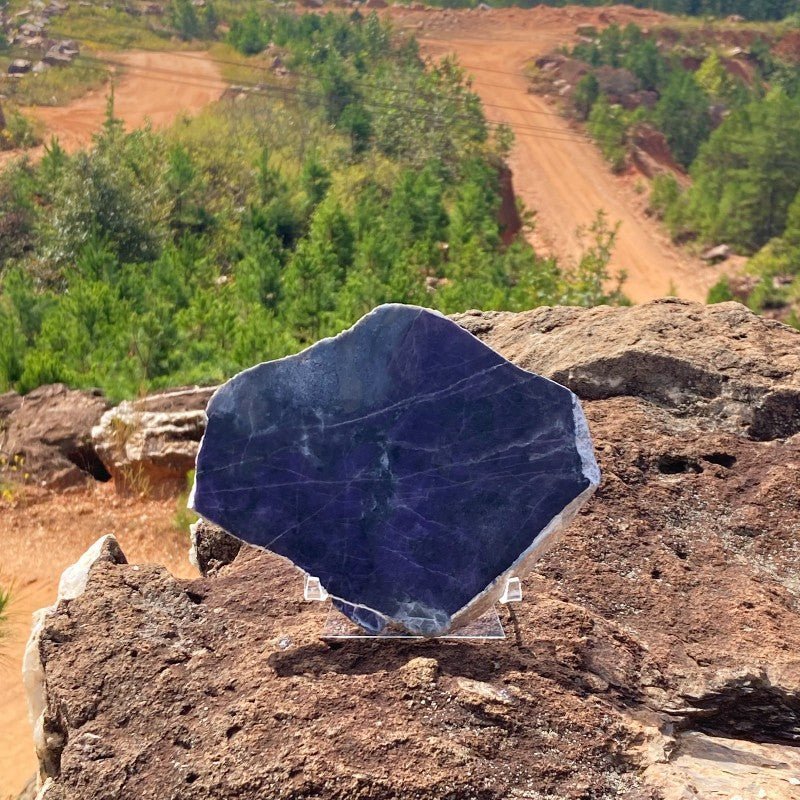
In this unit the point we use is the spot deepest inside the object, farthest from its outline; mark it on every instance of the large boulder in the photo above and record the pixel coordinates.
(720, 363)
(45, 436)
(654, 654)
(9, 403)
(212, 547)
(149, 445)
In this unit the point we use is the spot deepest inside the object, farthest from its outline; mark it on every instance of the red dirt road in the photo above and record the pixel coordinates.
(559, 174)
(152, 86)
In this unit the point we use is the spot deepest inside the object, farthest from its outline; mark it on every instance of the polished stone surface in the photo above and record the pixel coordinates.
(404, 463)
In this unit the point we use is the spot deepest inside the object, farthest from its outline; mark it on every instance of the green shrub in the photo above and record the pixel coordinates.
(251, 34)
(765, 295)
(587, 90)
(607, 126)
(720, 292)
(20, 131)
(184, 516)
(664, 194)
(184, 19)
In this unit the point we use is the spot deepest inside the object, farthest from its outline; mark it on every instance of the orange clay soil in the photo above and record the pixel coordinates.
(151, 86)
(557, 172)
(41, 533)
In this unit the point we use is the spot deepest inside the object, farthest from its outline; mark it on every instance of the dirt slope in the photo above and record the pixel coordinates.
(556, 172)
(152, 86)
(42, 533)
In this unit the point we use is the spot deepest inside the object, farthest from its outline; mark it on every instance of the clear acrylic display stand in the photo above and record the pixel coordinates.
(485, 628)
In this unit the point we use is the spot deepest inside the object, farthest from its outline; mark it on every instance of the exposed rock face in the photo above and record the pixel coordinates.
(49, 738)
(150, 444)
(46, 435)
(721, 363)
(212, 547)
(508, 214)
(9, 403)
(650, 152)
(654, 655)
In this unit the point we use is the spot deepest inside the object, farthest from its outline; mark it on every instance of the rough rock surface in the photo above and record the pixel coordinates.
(150, 444)
(654, 655)
(212, 547)
(719, 363)
(650, 152)
(9, 403)
(45, 436)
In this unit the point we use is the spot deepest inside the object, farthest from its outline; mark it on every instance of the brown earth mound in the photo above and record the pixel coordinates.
(45, 436)
(651, 155)
(654, 655)
(788, 47)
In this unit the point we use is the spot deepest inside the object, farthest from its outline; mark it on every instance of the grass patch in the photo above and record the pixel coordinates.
(767, 28)
(57, 85)
(240, 69)
(20, 130)
(110, 29)
(184, 516)
(12, 475)
(97, 30)
(5, 599)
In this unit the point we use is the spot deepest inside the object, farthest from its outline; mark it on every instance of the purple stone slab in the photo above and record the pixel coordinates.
(404, 463)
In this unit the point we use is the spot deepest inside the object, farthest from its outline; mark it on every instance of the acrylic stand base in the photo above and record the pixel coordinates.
(486, 627)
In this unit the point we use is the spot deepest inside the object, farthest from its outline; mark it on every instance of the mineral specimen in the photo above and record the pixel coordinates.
(408, 466)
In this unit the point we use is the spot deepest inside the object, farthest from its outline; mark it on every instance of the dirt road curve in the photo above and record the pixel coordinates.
(151, 86)
(556, 172)
(154, 86)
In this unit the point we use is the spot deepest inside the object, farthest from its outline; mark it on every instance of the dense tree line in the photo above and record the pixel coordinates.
(745, 192)
(162, 258)
(749, 9)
